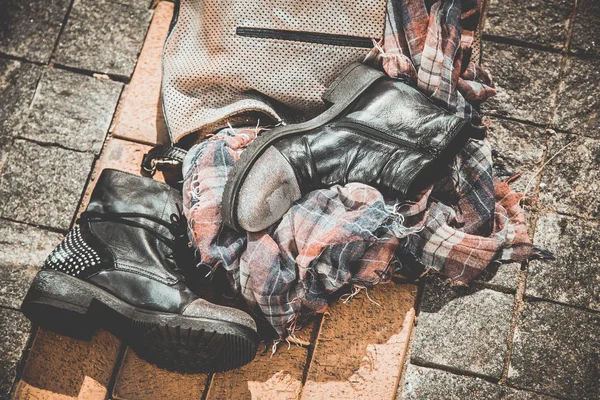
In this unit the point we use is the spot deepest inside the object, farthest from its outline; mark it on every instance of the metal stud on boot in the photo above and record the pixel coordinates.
(117, 269)
(379, 131)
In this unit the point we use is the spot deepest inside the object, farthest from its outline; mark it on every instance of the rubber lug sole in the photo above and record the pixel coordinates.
(68, 305)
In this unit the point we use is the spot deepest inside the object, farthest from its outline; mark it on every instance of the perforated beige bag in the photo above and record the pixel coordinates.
(233, 61)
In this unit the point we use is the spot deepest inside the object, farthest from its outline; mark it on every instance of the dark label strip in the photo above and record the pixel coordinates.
(307, 37)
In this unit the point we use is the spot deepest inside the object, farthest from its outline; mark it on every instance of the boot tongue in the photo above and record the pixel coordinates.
(121, 192)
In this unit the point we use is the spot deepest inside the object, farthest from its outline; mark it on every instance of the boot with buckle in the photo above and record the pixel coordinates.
(120, 269)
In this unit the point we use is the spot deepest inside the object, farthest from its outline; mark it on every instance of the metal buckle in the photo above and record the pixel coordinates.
(156, 163)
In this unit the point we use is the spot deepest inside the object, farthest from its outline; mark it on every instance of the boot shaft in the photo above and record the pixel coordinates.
(385, 138)
(125, 242)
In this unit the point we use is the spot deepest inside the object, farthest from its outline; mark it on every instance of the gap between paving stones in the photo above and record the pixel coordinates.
(550, 49)
(95, 74)
(559, 303)
(209, 382)
(116, 368)
(47, 228)
(537, 125)
(411, 339)
(520, 43)
(517, 307)
(81, 71)
(318, 323)
(10, 308)
(60, 32)
(456, 371)
(21, 59)
(48, 144)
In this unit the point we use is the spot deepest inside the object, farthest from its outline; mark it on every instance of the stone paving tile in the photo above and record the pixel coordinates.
(521, 20)
(586, 29)
(520, 147)
(425, 383)
(24, 249)
(513, 394)
(14, 331)
(501, 276)
(432, 384)
(29, 28)
(71, 110)
(41, 185)
(574, 278)
(571, 182)
(525, 80)
(556, 351)
(103, 36)
(17, 87)
(463, 328)
(579, 98)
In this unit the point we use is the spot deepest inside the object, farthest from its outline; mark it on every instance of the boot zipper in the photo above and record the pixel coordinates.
(383, 136)
(307, 37)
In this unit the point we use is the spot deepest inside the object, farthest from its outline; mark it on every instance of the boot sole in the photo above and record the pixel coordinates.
(68, 305)
(353, 81)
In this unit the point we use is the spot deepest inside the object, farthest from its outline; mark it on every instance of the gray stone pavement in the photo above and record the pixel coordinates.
(57, 106)
(526, 331)
(530, 331)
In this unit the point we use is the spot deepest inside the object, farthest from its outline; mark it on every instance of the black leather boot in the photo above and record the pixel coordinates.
(118, 269)
(379, 131)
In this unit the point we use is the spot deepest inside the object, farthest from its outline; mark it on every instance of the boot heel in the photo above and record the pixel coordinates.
(353, 80)
(59, 302)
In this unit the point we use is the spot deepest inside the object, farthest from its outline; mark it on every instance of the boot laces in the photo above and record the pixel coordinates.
(177, 226)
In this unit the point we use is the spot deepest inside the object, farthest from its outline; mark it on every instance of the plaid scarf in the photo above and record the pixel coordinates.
(350, 234)
(433, 49)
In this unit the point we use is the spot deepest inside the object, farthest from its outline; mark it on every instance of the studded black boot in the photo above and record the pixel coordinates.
(118, 269)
